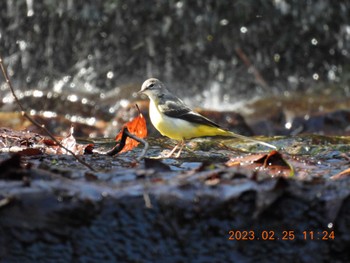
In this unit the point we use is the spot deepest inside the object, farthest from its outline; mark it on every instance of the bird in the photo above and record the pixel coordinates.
(174, 119)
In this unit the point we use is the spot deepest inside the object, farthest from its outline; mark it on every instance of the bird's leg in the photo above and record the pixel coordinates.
(172, 151)
(182, 143)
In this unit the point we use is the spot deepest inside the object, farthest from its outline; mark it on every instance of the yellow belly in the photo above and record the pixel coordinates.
(179, 129)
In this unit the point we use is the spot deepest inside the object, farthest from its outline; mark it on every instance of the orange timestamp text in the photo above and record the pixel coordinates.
(270, 235)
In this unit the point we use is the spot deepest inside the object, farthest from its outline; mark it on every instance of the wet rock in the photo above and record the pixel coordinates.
(186, 219)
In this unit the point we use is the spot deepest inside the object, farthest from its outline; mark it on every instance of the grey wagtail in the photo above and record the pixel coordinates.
(172, 118)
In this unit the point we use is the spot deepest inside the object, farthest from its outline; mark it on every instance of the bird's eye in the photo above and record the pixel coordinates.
(150, 85)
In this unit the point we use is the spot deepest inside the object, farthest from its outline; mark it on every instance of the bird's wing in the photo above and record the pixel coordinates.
(174, 107)
(195, 117)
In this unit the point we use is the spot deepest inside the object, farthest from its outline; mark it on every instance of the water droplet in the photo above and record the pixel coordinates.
(22, 44)
(110, 74)
(210, 37)
(72, 98)
(288, 125)
(74, 118)
(315, 76)
(90, 121)
(82, 71)
(179, 4)
(224, 22)
(49, 114)
(30, 13)
(244, 29)
(331, 75)
(276, 58)
(347, 29)
(124, 103)
(37, 93)
(314, 41)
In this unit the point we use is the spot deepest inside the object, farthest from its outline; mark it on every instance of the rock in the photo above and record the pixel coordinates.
(63, 220)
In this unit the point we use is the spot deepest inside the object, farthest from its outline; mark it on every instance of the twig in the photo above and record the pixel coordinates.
(42, 127)
(144, 142)
(125, 134)
(259, 79)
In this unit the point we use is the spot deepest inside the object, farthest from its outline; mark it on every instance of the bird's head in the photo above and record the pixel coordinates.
(152, 88)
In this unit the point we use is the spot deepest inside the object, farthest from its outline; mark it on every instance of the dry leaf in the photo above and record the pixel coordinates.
(342, 174)
(71, 144)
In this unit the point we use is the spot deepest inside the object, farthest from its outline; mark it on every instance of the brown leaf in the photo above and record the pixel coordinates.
(244, 160)
(30, 152)
(88, 149)
(49, 142)
(274, 158)
(90, 176)
(273, 162)
(342, 174)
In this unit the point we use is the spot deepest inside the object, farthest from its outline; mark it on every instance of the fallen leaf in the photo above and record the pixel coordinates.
(273, 162)
(10, 138)
(137, 127)
(90, 176)
(31, 152)
(88, 149)
(342, 174)
(49, 142)
(71, 144)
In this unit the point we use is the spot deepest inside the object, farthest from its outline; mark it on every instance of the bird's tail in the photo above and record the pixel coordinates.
(232, 134)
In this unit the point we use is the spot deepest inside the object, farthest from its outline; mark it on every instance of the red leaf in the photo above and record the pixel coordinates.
(136, 126)
(49, 142)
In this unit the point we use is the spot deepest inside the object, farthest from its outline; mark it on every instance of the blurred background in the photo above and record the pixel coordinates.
(276, 62)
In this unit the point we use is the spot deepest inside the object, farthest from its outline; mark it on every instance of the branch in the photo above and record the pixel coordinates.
(116, 149)
(41, 127)
(259, 79)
